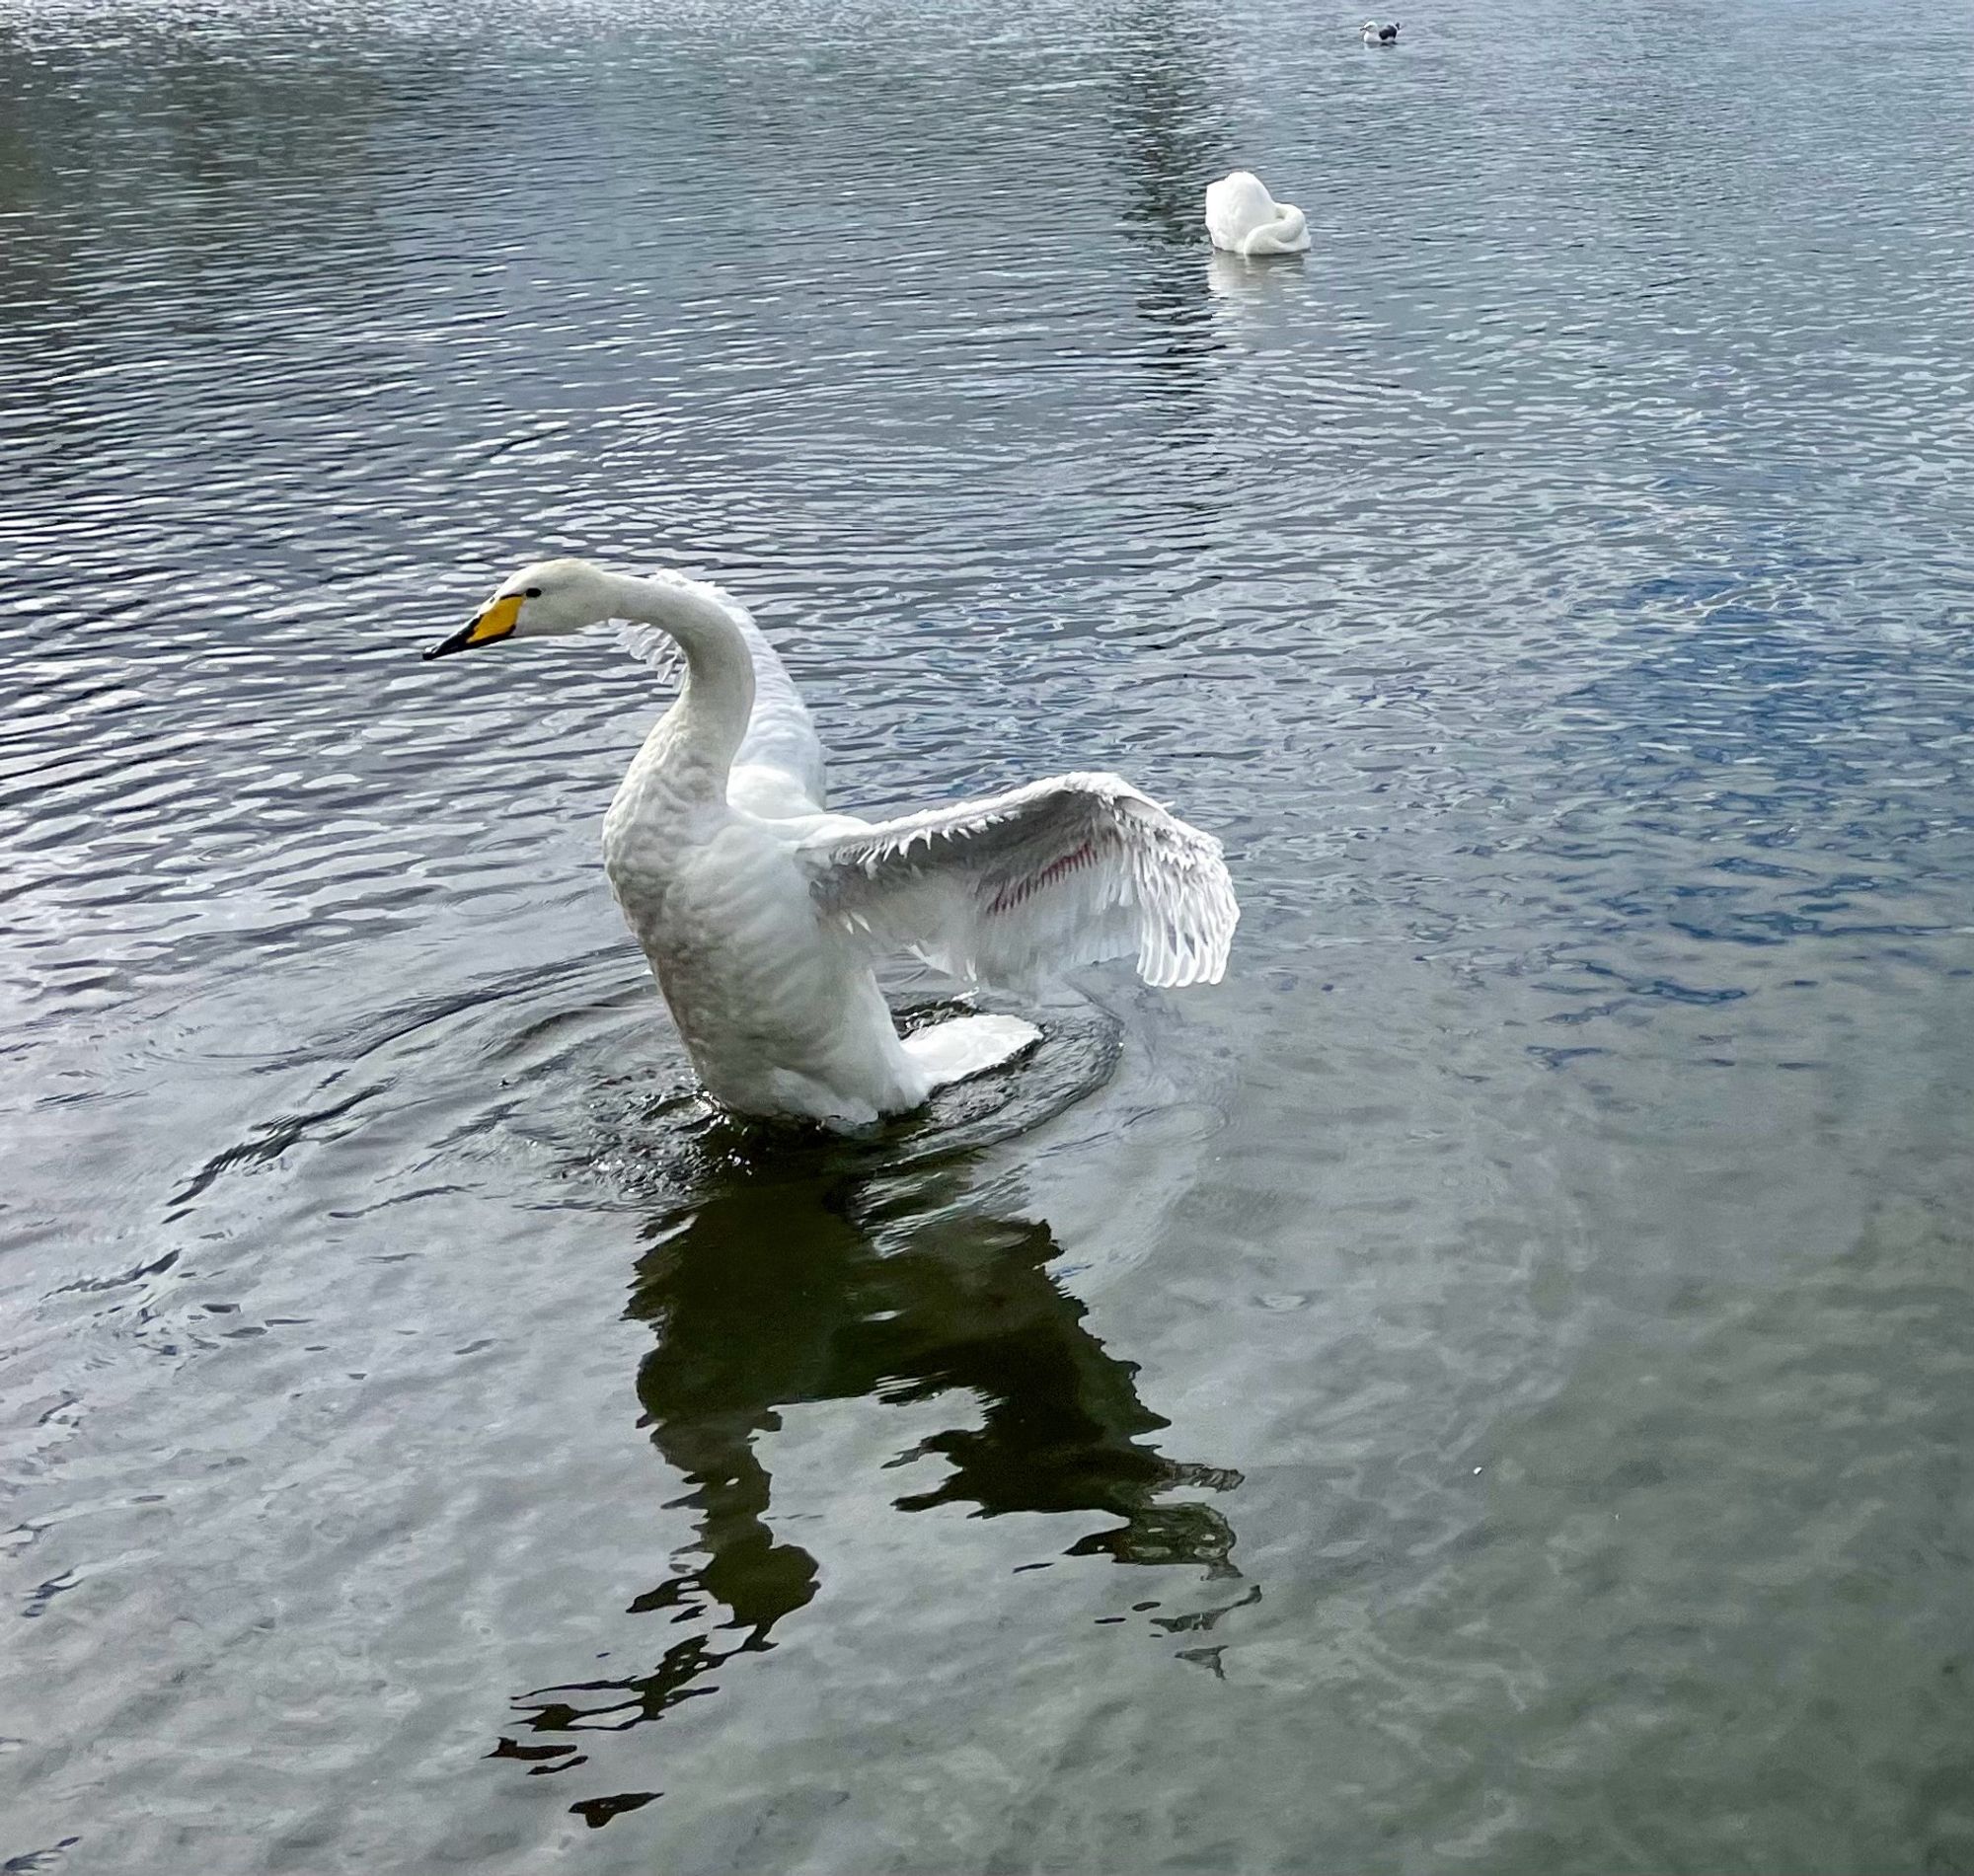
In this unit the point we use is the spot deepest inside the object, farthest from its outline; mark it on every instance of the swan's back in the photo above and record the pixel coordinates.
(1243, 219)
(1235, 205)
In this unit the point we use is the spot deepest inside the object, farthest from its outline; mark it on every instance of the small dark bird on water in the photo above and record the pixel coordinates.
(1376, 35)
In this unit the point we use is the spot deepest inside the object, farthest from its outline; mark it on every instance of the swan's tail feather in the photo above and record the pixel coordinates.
(970, 1045)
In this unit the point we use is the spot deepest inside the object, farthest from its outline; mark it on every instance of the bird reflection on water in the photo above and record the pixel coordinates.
(803, 1271)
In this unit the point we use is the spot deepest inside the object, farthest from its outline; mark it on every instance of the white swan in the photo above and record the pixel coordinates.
(1376, 35)
(762, 915)
(1243, 219)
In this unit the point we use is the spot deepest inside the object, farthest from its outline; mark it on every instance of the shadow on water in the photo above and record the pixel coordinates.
(798, 1269)
(1166, 119)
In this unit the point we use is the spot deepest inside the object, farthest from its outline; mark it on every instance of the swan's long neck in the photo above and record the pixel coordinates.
(694, 744)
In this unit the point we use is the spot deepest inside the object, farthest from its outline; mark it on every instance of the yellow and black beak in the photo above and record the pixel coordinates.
(496, 622)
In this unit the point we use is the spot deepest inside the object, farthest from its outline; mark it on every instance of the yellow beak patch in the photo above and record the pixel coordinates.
(496, 622)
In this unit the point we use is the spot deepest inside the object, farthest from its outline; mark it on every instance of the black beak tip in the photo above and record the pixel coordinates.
(457, 641)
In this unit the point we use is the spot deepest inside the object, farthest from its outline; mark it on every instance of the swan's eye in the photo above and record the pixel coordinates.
(533, 592)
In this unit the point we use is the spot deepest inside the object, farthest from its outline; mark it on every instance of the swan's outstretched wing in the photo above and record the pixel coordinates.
(1064, 871)
(780, 734)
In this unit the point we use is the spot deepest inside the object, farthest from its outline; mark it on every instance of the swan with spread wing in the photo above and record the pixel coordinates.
(763, 914)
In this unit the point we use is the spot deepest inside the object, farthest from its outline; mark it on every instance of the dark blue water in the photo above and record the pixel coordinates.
(1485, 1388)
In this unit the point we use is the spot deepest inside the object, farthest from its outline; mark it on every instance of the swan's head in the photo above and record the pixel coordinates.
(547, 600)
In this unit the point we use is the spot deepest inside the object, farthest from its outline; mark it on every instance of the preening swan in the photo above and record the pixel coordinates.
(763, 914)
(1376, 35)
(1243, 219)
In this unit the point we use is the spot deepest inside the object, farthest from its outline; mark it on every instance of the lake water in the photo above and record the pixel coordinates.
(1488, 1387)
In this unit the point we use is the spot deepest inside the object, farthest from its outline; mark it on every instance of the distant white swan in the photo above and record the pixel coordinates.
(1376, 35)
(1243, 219)
(763, 914)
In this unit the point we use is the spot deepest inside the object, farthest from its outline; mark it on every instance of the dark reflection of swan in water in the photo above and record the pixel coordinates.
(1168, 117)
(798, 1275)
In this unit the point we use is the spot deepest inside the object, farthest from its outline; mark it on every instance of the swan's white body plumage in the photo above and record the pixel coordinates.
(763, 914)
(1243, 219)
(1376, 35)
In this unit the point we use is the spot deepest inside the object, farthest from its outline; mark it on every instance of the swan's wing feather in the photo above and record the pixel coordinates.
(1066, 872)
(651, 644)
(780, 735)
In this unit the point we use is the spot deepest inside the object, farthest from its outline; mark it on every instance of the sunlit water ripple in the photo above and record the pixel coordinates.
(1484, 1387)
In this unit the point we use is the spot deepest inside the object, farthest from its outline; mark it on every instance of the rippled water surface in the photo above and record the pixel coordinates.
(1488, 1386)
